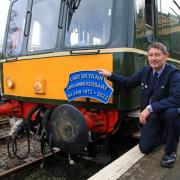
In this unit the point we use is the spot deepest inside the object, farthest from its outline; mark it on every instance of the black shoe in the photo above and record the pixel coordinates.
(168, 160)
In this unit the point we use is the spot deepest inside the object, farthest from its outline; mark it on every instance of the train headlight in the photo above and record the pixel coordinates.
(10, 83)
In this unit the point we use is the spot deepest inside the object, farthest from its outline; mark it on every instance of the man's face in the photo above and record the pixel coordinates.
(156, 58)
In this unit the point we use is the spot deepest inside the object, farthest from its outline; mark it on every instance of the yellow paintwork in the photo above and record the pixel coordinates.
(53, 70)
(39, 86)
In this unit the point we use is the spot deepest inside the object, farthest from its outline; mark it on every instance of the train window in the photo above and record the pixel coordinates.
(171, 25)
(16, 28)
(174, 16)
(44, 25)
(3, 19)
(91, 28)
(149, 15)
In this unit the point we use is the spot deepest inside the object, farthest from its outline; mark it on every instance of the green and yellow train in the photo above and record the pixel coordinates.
(47, 40)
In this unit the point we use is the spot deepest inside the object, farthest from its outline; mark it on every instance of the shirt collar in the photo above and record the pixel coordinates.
(160, 71)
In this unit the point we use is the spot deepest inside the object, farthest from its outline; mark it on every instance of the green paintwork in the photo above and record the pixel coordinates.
(128, 29)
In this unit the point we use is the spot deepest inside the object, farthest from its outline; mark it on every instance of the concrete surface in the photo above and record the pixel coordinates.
(148, 168)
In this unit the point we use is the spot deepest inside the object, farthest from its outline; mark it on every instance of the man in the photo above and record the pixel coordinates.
(160, 102)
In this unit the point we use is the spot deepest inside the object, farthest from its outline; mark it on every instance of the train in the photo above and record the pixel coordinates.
(48, 42)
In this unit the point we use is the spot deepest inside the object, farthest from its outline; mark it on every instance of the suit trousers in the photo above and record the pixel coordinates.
(161, 128)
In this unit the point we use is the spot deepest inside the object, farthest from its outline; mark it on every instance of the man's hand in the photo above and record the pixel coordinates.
(144, 115)
(104, 72)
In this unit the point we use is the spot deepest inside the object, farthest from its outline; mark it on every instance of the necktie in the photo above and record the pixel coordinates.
(155, 76)
(153, 85)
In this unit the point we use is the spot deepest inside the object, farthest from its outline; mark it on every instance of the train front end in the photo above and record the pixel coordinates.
(49, 74)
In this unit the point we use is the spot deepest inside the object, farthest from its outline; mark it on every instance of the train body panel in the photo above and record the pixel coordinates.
(41, 50)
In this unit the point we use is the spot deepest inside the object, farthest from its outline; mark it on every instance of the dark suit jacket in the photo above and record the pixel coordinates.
(163, 94)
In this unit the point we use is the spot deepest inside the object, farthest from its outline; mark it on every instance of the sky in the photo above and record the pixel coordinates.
(4, 4)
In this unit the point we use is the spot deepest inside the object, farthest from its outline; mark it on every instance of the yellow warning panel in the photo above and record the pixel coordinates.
(48, 77)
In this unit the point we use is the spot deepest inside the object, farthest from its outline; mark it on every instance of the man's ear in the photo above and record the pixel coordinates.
(167, 55)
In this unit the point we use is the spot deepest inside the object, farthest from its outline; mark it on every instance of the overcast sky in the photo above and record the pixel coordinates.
(4, 4)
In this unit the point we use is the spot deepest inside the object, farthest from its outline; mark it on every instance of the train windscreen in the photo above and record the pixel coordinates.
(90, 24)
(16, 28)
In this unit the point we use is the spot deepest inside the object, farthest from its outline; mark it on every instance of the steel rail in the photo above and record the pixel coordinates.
(35, 162)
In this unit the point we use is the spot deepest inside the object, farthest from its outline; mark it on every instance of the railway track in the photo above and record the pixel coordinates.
(27, 163)
(4, 138)
(82, 169)
(35, 164)
(9, 167)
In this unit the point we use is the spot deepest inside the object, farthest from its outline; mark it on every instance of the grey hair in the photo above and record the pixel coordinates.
(160, 46)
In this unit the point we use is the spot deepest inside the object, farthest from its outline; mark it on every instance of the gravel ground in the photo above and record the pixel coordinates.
(55, 169)
(62, 170)
(7, 163)
(4, 131)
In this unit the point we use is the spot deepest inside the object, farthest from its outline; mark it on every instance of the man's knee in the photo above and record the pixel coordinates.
(145, 149)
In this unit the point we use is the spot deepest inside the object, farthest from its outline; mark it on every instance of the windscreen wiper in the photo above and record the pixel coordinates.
(176, 4)
(72, 6)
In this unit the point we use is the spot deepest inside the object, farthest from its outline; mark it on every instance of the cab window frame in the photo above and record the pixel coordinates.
(58, 34)
(89, 46)
(6, 36)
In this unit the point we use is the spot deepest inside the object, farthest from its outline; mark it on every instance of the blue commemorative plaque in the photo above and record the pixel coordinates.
(88, 84)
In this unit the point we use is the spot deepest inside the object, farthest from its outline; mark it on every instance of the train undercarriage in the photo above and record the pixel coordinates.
(68, 129)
